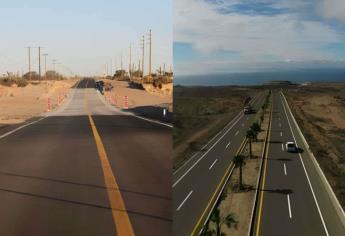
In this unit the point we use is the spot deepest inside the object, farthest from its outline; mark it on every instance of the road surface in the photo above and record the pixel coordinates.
(86, 169)
(196, 181)
(294, 199)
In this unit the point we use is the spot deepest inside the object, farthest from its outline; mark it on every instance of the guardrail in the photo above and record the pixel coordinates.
(216, 195)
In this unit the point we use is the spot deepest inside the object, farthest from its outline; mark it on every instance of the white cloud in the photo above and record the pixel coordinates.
(257, 38)
(332, 9)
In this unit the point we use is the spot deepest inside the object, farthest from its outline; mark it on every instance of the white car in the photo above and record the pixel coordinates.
(291, 147)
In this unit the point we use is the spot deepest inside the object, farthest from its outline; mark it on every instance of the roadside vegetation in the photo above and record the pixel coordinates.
(200, 113)
(320, 112)
(232, 212)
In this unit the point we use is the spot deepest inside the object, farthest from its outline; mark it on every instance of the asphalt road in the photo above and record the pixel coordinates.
(294, 199)
(54, 178)
(196, 181)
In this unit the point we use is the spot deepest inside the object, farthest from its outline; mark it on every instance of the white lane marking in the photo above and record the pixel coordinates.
(255, 100)
(208, 150)
(285, 169)
(228, 145)
(281, 133)
(237, 133)
(305, 171)
(183, 202)
(288, 200)
(212, 164)
(233, 120)
(190, 159)
(153, 121)
(21, 127)
(283, 147)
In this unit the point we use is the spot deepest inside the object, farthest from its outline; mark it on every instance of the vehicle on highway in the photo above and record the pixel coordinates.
(100, 85)
(291, 147)
(248, 110)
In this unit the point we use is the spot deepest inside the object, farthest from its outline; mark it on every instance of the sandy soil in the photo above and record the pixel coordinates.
(140, 97)
(21, 103)
(165, 91)
(323, 107)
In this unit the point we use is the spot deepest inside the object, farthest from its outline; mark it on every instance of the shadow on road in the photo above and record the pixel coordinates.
(279, 191)
(279, 159)
(153, 112)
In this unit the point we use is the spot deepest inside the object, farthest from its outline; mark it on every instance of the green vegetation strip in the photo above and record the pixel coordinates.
(216, 195)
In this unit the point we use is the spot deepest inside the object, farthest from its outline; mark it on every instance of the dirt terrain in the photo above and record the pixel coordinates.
(18, 104)
(200, 113)
(320, 112)
(141, 97)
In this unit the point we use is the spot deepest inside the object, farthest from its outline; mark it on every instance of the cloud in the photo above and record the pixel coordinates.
(273, 32)
(332, 9)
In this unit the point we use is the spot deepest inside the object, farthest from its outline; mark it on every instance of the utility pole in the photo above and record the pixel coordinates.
(143, 55)
(139, 67)
(54, 63)
(121, 62)
(29, 62)
(130, 62)
(39, 62)
(45, 63)
(150, 44)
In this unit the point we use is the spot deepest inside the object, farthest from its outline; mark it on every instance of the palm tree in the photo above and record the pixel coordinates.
(256, 129)
(239, 162)
(228, 220)
(250, 136)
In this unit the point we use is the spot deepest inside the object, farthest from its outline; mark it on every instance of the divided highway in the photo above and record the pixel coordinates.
(294, 199)
(196, 181)
(86, 169)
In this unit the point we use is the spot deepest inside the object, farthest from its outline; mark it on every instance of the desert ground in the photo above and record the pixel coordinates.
(18, 104)
(320, 112)
(200, 113)
(148, 96)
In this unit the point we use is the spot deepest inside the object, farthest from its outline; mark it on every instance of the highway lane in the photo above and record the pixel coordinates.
(52, 176)
(288, 204)
(196, 181)
(295, 199)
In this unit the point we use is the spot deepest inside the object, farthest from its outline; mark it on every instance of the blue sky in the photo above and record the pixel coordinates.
(221, 36)
(83, 35)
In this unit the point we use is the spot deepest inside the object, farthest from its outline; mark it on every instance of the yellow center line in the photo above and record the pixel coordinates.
(120, 216)
(199, 225)
(264, 177)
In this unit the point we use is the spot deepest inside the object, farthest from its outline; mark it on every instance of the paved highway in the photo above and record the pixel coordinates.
(86, 169)
(294, 199)
(196, 181)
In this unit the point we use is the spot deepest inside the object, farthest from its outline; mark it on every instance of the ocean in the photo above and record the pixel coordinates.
(258, 78)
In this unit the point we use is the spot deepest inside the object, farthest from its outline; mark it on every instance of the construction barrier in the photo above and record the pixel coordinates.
(48, 104)
(125, 105)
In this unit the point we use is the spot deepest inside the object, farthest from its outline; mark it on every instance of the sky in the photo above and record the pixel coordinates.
(234, 36)
(83, 35)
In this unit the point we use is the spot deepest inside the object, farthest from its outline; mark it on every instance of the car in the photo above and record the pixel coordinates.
(291, 147)
(248, 110)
